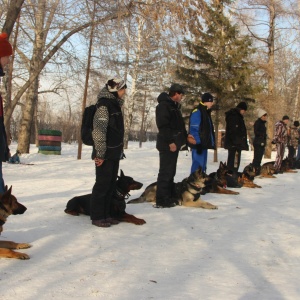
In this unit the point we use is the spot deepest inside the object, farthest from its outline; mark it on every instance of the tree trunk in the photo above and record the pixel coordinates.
(271, 82)
(32, 93)
(12, 15)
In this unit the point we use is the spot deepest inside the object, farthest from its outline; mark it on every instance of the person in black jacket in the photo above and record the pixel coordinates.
(5, 53)
(171, 138)
(236, 135)
(260, 138)
(108, 134)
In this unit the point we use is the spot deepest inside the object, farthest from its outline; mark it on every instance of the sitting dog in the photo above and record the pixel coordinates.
(243, 179)
(81, 204)
(216, 182)
(187, 192)
(10, 206)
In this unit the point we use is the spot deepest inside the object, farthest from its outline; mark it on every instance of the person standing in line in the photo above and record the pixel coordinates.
(108, 135)
(5, 53)
(260, 138)
(171, 138)
(235, 135)
(280, 139)
(202, 132)
(293, 140)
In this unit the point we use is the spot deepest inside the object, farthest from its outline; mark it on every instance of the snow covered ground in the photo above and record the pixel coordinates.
(247, 249)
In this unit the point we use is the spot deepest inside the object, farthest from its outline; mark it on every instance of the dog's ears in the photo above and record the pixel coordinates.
(5, 198)
(121, 173)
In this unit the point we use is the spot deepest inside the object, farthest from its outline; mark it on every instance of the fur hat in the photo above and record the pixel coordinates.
(242, 106)
(5, 46)
(115, 84)
(285, 118)
(261, 112)
(207, 97)
(177, 88)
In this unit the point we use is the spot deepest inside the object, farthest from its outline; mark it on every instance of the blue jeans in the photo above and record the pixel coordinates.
(2, 190)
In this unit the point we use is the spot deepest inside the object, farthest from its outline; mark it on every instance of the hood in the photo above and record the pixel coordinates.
(104, 93)
(164, 97)
(233, 111)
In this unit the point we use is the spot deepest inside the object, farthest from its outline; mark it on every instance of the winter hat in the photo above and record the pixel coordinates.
(285, 118)
(261, 112)
(177, 88)
(5, 46)
(242, 106)
(115, 84)
(296, 124)
(207, 97)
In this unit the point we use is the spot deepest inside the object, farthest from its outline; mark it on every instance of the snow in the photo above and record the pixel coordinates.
(247, 249)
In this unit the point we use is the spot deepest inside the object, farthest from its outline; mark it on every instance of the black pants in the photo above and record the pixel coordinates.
(258, 155)
(103, 190)
(234, 159)
(292, 152)
(165, 179)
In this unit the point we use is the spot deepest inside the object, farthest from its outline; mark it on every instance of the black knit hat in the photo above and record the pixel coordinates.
(207, 97)
(296, 124)
(242, 106)
(285, 118)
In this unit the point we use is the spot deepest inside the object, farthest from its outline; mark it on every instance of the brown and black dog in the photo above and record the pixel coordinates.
(10, 206)
(186, 192)
(81, 204)
(243, 179)
(216, 182)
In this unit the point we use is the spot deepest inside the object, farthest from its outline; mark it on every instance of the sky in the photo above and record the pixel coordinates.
(247, 249)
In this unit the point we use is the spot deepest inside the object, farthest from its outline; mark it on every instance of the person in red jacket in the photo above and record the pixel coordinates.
(5, 53)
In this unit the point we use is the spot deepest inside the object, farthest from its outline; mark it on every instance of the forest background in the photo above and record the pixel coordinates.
(65, 50)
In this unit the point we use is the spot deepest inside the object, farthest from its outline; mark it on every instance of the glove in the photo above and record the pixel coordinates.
(273, 142)
(199, 148)
(122, 155)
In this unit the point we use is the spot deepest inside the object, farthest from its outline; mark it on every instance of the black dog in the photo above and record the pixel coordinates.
(81, 204)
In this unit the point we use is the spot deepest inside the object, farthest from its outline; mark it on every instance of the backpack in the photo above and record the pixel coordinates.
(87, 125)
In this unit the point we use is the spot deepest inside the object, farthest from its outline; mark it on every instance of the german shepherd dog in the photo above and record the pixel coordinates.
(187, 192)
(266, 170)
(216, 182)
(81, 204)
(10, 206)
(243, 179)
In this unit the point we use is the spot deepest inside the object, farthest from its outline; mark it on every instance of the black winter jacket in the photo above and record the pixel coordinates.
(170, 124)
(260, 133)
(236, 132)
(4, 151)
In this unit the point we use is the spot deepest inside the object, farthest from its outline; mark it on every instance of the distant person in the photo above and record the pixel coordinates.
(108, 134)
(202, 131)
(260, 138)
(298, 151)
(293, 140)
(5, 53)
(280, 140)
(235, 135)
(171, 138)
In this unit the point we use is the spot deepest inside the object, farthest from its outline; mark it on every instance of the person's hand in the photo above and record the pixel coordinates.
(98, 161)
(191, 140)
(199, 148)
(173, 147)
